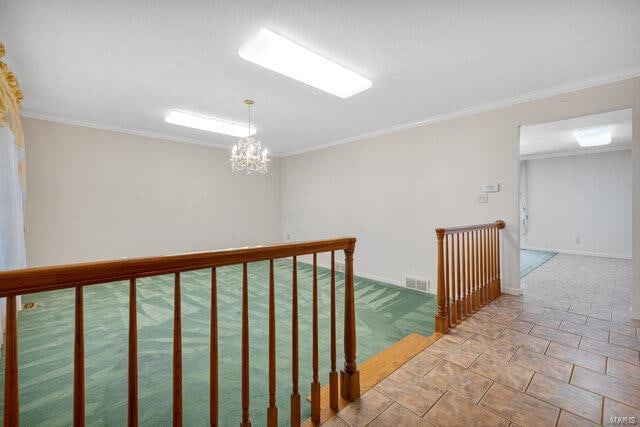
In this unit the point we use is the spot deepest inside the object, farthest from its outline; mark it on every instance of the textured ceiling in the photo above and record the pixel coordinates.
(559, 137)
(123, 64)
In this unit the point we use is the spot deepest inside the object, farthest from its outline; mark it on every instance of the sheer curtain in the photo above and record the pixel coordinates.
(12, 250)
(12, 178)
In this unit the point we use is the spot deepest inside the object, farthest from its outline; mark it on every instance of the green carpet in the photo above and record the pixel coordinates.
(530, 260)
(384, 314)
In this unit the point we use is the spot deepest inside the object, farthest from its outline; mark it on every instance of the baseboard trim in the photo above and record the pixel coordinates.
(370, 277)
(512, 291)
(573, 252)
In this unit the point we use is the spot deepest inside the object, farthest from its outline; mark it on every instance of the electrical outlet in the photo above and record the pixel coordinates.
(483, 198)
(578, 240)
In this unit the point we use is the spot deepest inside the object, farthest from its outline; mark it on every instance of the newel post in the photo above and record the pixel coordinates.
(441, 316)
(349, 376)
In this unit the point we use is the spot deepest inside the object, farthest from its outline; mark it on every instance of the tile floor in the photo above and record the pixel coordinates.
(565, 353)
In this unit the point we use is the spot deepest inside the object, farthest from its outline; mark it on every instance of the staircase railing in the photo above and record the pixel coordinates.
(77, 276)
(468, 271)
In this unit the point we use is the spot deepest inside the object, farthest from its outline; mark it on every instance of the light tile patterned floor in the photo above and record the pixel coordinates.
(565, 353)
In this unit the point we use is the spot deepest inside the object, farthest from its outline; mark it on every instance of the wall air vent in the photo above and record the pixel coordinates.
(418, 284)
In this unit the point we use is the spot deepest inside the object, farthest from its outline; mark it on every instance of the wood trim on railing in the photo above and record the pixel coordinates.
(468, 271)
(78, 276)
(461, 229)
(38, 279)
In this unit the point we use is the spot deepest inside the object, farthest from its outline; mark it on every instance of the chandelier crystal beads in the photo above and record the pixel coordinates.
(248, 155)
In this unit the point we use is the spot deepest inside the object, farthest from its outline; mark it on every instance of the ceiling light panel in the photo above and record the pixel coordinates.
(276, 53)
(593, 137)
(210, 124)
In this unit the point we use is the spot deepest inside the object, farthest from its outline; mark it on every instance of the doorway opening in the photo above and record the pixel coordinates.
(575, 197)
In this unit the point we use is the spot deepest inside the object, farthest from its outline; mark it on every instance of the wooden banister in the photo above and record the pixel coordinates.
(39, 279)
(468, 271)
(77, 276)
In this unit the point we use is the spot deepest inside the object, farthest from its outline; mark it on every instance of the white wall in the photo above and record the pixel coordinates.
(96, 194)
(585, 197)
(392, 190)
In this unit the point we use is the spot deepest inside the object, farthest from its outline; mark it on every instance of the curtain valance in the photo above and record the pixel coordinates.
(10, 100)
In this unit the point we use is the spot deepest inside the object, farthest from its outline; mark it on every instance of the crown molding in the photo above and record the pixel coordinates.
(506, 102)
(529, 96)
(577, 152)
(31, 114)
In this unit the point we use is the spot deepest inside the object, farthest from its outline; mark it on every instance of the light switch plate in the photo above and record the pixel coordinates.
(483, 198)
(491, 188)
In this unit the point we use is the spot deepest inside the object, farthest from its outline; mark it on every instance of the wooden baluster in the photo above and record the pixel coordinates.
(333, 374)
(245, 347)
(468, 273)
(447, 282)
(315, 384)
(349, 376)
(78, 361)
(463, 296)
(177, 353)
(295, 394)
(458, 281)
(474, 268)
(489, 281)
(442, 293)
(132, 408)
(485, 258)
(454, 294)
(499, 278)
(272, 410)
(479, 267)
(493, 263)
(482, 283)
(213, 352)
(11, 397)
(478, 270)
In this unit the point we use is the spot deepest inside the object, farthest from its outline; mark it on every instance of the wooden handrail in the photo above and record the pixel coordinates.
(24, 281)
(39, 279)
(468, 271)
(464, 228)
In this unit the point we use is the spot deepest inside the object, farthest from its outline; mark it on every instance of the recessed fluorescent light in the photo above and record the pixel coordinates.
(272, 51)
(593, 137)
(199, 121)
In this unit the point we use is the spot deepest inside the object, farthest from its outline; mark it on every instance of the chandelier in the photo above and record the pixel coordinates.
(248, 155)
